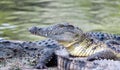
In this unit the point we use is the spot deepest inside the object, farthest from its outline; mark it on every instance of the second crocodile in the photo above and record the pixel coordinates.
(94, 45)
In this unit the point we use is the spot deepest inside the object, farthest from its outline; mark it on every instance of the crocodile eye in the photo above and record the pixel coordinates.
(67, 26)
(91, 40)
(70, 26)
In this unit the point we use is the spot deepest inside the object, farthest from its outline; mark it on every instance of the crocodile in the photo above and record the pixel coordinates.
(9, 48)
(65, 38)
(93, 45)
(43, 50)
(33, 50)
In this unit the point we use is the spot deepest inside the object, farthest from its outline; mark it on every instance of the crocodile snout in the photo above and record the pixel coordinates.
(33, 30)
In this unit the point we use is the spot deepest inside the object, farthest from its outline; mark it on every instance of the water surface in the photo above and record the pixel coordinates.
(16, 16)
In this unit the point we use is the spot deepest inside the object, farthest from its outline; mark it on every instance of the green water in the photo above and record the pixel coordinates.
(16, 16)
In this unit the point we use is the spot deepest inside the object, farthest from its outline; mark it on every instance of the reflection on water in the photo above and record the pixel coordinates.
(16, 16)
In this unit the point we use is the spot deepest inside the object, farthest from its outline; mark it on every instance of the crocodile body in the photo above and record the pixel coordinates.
(95, 45)
(35, 50)
(67, 39)
(10, 48)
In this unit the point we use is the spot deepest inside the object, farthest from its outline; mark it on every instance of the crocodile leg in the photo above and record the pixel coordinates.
(6, 53)
(105, 54)
(45, 57)
(10, 48)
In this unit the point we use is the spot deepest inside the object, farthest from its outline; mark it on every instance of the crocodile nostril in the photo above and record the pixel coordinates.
(32, 29)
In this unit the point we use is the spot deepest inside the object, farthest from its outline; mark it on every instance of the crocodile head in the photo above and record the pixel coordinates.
(59, 32)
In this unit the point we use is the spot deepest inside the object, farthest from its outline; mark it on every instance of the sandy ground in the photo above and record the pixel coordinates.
(17, 64)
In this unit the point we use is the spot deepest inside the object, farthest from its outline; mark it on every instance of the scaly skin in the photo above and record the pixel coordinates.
(95, 45)
(37, 49)
(60, 32)
(9, 49)
(103, 36)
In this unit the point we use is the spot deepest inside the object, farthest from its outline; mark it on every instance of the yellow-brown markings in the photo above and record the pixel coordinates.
(85, 48)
